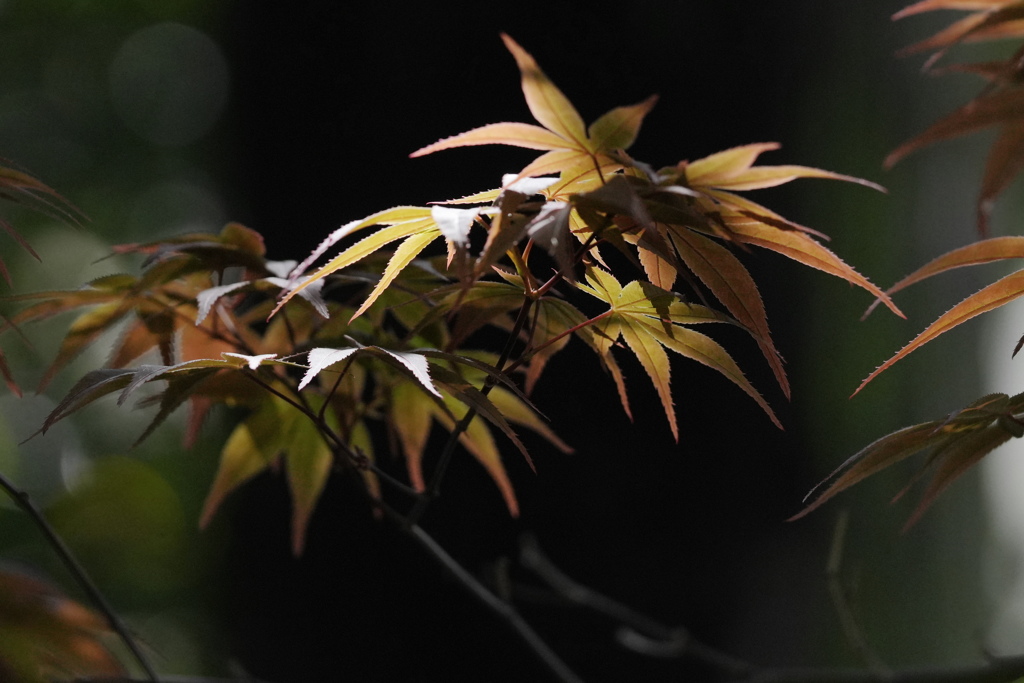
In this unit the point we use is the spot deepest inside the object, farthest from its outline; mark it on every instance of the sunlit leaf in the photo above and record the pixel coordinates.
(251, 448)
(547, 103)
(515, 134)
(799, 247)
(995, 295)
(618, 128)
(651, 320)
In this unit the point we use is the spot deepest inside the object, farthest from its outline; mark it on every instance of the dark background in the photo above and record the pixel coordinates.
(330, 101)
(326, 101)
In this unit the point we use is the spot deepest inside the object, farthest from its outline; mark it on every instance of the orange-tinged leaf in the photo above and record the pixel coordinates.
(725, 164)
(618, 128)
(799, 247)
(1005, 161)
(984, 111)
(546, 102)
(950, 35)
(659, 271)
(554, 162)
(995, 295)
(731, 284)
(516, 134)
(877, 456)
(956, 459)
(956, 443)
(985, 251)
(760, 177)
(931, 5)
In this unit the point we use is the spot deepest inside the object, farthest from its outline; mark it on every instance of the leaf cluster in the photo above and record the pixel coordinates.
(45, 636)
(961, 440)
(365, 355)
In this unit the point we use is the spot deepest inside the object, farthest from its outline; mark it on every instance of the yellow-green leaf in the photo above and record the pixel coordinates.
(721, 166)
(516, 134)
(403, 256)
(547, 103)
(618, 128)
(251, 448)
(308, 465)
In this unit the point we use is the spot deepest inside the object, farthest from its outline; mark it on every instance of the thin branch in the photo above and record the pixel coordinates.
(434, 488)
(335, 442)
(996, 670)
(640, 633)
(22, 500)
(851, 628)
(499, 607)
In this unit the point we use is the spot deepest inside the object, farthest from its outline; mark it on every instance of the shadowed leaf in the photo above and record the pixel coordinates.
(955, 443)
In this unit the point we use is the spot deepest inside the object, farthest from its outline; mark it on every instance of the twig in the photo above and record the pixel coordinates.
(499, 607)
(22, 500)
(996, 670)
(434, 487)
(851, 629)
(640, 633)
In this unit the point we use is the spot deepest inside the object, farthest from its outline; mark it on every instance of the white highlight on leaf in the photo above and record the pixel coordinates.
(527, 186)
(328, 242)
(281, 268)
(551, 224)
(252, 361)
(312, 292)
(320, 359)
(418, 366)
(454, 224)
(206, 298)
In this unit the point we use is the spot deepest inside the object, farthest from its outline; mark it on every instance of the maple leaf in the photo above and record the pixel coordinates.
(955, 444)
(1000, 104)
(21, 188)
(651, 320)
(567, 143)
(988, 298)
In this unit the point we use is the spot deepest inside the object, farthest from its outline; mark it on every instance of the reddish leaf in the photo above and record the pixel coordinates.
(995, 295)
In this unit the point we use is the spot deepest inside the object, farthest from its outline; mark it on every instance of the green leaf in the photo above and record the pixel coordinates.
(253, 445)
(308, 465)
